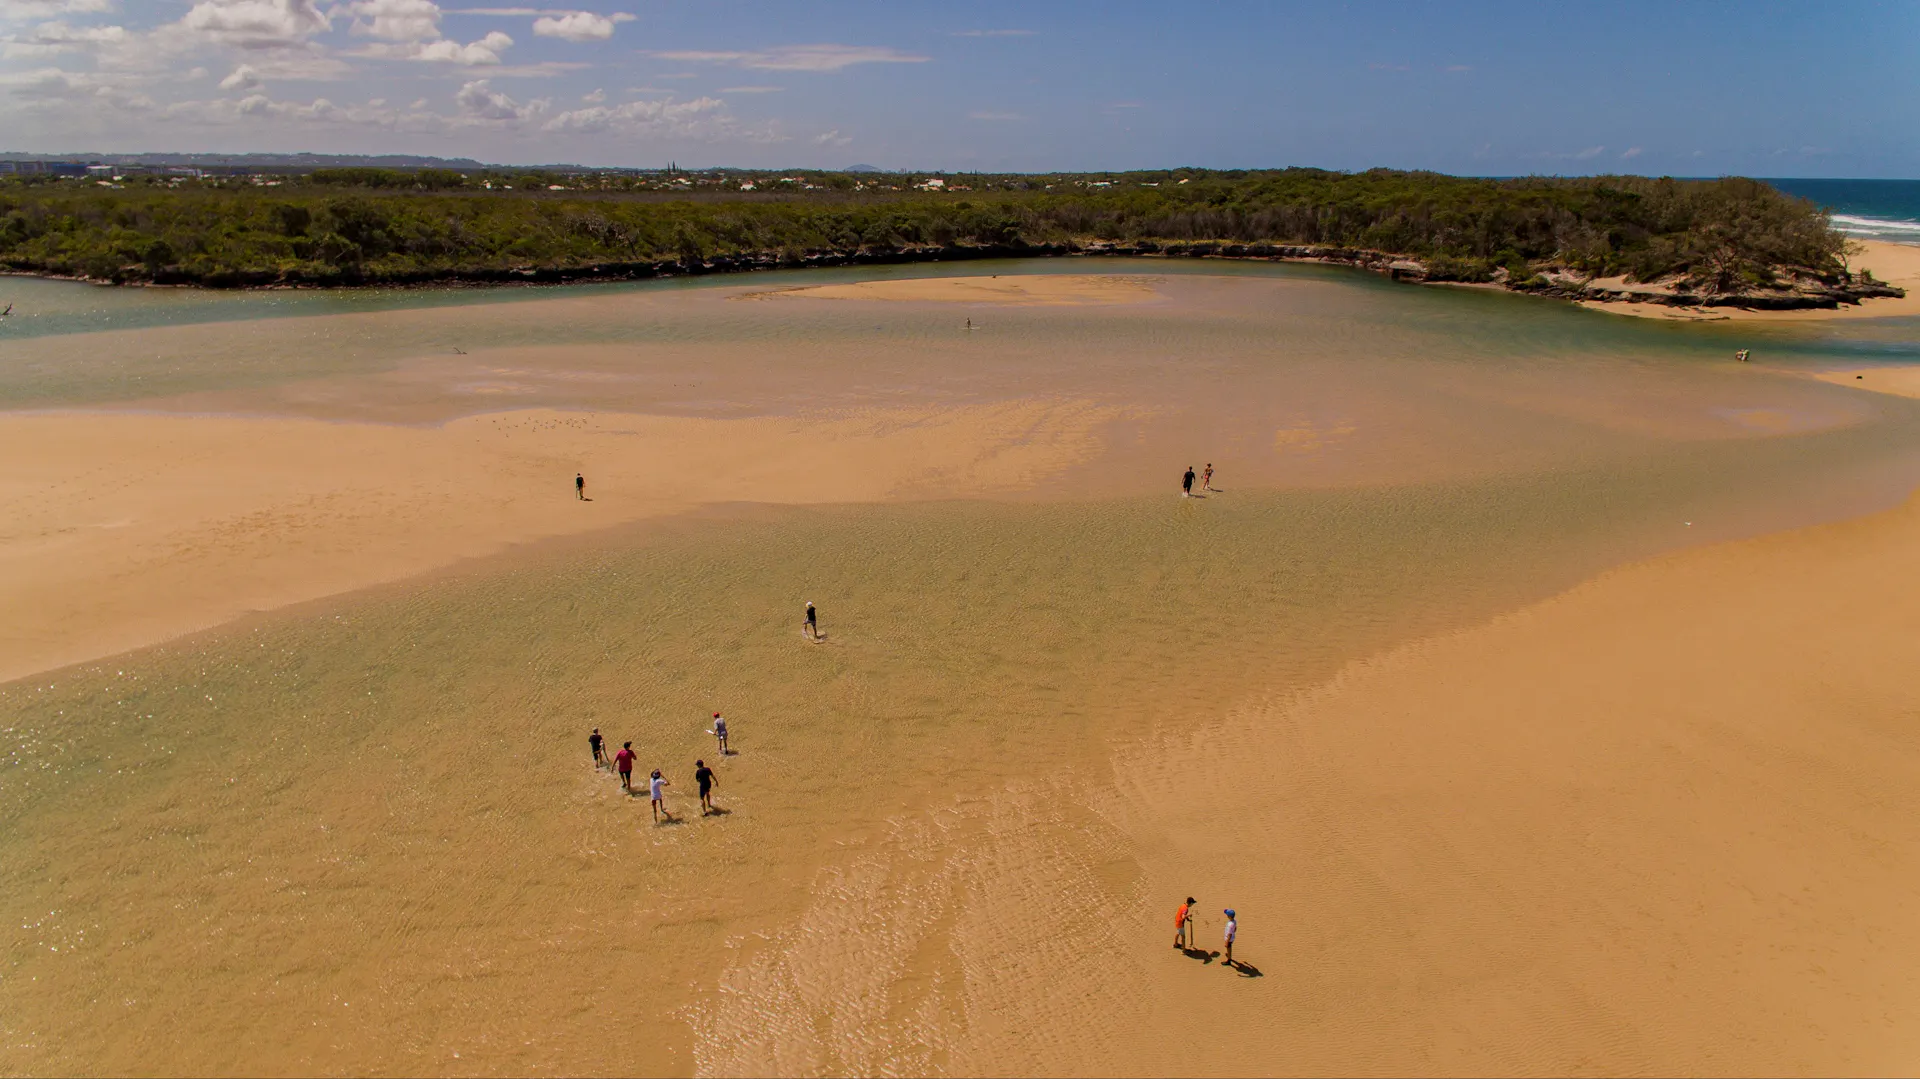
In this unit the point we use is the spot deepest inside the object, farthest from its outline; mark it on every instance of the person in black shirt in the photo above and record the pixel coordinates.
(580, 487)
(812, 629)
(1186, 483)
(599, 755)
(704, 776)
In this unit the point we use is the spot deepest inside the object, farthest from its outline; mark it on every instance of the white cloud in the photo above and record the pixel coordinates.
(800, 57)
(751, 89)
(479, 102)
(396, 20)
(831, 138)
(244, 77)
(636, 116)
(578, 25)
(703, 118)
(594, 98)
(483, 53)
(1589, 153)
(56, 37)
(28, 10)
(257, 23)
(49, 82)
(1630, 152)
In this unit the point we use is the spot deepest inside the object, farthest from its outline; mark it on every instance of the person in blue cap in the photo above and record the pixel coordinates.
(1232, 930)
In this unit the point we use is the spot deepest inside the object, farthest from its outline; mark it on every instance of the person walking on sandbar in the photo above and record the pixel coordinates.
(580, 486)
(1186, 483)
(1206, 478)
(1231, 931)
(599, 747)
(623, 763)
(657, 790)
(720, 732)
(704, 776)
(811, 630)
(1183, 918)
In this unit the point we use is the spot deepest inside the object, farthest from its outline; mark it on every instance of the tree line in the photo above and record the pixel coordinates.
(366, 225)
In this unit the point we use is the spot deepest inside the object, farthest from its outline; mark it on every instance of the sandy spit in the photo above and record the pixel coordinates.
(1896, 264)
(1033, 290)
(123, 530)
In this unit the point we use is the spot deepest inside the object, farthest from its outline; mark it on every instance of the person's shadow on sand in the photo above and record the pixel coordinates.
(716, 811)
(1201, 954)
(1246, 970)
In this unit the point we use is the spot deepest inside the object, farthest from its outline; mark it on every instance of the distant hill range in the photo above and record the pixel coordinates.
(275, 162)
(864, 168)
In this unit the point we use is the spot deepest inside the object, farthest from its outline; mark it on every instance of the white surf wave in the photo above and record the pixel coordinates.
(1878, 228)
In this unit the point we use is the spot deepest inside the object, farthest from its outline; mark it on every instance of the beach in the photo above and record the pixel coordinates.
(1535, 686)
(1895, 264)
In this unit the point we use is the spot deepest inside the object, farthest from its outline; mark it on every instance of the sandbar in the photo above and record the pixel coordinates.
(1018, 290)
(1902, 381)
(127, 529)
(1663, 822)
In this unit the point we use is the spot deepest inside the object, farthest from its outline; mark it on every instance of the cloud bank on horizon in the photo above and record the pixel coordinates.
(1495, 89)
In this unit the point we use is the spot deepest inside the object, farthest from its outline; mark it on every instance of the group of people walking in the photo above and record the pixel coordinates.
(622, 760)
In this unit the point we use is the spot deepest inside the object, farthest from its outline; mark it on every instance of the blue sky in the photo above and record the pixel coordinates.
(1685, 89)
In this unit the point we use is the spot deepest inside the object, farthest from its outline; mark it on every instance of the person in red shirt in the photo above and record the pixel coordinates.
(623, 761)
(1182, 918)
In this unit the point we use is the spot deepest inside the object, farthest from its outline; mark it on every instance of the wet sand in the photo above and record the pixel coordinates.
(126, 530)
(1662, 823)
(1475, 815)
(1899, 381)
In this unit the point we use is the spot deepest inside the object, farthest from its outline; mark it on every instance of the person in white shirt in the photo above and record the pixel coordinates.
(1232, 930)
(657, 789)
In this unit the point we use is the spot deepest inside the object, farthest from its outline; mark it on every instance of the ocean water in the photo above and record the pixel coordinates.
(1870, 209)
(363, 836)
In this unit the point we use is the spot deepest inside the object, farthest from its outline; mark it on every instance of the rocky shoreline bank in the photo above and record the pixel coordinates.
(1798, 293)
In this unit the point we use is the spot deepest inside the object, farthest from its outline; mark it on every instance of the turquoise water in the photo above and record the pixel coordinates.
(73, 344)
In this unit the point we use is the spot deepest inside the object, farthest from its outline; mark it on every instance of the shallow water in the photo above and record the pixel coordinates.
(362, 836)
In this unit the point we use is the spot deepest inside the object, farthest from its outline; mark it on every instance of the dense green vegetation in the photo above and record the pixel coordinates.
(350, 225)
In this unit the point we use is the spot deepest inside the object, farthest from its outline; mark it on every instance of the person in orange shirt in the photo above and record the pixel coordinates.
(1182, 918)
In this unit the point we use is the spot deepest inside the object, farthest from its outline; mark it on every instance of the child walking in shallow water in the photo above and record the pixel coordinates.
(1206, 478)
(657, 790)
